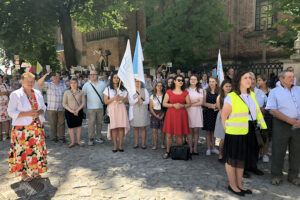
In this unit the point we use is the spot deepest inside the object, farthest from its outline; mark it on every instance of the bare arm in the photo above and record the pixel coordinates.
(226, 110)
(279, 115)
(218, 103)
(166, 102)
(42, 80)
(187, 101)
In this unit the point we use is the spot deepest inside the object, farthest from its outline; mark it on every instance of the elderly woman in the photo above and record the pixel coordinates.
(4, 118)
(73, 102)
(28, 154)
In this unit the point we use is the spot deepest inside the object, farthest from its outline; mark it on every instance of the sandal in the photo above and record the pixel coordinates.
(295, 181)
(71, 145)
(27, 178)
(154, 148)
(276, 181)
(80, 144)
(166, 155)
(135, 147)
(145, 147)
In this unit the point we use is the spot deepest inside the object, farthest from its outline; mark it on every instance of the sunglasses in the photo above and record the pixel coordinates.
(179, 80)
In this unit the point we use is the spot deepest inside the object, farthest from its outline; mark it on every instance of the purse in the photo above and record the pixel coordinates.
(106, 118)
(180, 153)
(258, 131)
(81, 113)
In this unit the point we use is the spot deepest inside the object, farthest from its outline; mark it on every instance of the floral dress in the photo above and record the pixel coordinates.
(28, 152)
(4, 103)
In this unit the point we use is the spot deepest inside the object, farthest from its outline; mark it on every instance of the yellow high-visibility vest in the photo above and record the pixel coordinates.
(237, 122)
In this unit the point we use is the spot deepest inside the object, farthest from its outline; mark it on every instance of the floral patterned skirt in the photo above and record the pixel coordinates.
(28, 152)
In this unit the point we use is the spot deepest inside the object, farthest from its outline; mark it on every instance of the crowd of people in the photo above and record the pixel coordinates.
(242, 109)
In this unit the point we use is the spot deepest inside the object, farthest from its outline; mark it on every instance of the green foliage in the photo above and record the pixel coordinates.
(99, 14)
(291, 24)
(27, 26)
(182, 31)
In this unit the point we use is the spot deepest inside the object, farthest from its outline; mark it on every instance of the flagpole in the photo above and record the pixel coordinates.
(119, 86)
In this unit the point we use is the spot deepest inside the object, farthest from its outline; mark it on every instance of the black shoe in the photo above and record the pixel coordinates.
(121, 150)
(135, 147)
(55, 140)
(234, 192)
(246, 175)
(114, 151)
(145, 147)
(247, 191)
(256, 171)
(63, 140)
(221, 160)
(195, 153)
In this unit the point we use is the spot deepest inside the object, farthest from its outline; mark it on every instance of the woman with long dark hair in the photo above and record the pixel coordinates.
(239, 116)
(219, 130)
(177, 100)
(195, 112)
(210, 114)
(115, 96)
(157, 114)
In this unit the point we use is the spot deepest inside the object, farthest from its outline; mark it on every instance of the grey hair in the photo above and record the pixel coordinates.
(282, 73)
(252, 74)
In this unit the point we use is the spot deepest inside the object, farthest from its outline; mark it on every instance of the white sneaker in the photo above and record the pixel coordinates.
(208, 152)
(99, 140)
(91, 142)
(215, 151)
(266, 159)
(163, 146)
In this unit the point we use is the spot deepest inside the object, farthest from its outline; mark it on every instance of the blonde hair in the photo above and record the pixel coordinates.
(27, 75)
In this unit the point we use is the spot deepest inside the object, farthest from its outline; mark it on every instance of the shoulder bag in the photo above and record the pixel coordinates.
(258, 131)
(106, 119)
(81, 113)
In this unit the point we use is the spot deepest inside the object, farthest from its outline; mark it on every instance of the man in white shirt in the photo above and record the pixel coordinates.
(284, 105)
(94, 107)
(291, 69)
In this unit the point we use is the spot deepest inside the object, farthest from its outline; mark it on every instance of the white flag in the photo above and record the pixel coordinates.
(138, 68)
(125, 72)
(220, 72)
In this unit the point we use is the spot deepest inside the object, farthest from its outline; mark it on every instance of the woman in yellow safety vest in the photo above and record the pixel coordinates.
(239, 117)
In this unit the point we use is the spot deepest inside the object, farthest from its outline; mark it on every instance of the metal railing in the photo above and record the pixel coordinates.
(104, 34)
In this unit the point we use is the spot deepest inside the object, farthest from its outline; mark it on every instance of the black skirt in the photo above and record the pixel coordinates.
(72, 120)
(236, 149)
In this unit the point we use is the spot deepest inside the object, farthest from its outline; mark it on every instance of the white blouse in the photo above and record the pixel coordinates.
(156, 103)
(18, 102)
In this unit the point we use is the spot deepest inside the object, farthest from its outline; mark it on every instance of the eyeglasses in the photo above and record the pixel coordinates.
(93, 74)
(179, 80)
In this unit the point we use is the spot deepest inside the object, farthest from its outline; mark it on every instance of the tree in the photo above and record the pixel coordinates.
(290, 24)
(181, 31)
(29, 27)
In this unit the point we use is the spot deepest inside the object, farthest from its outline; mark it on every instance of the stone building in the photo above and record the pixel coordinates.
(243, 45)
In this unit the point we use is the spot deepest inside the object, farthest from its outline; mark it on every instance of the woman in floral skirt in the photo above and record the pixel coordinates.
(28, 154)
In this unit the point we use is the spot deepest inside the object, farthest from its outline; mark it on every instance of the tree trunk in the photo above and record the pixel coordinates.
(65, 23)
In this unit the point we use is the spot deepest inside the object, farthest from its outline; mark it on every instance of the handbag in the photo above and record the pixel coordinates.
(258, 131)
(81, 113)
(180, 153)
(106, 118)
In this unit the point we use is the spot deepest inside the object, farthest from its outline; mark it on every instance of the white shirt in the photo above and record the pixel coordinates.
(260, 97)
(247, 98)
(285, 101)
(18, 102)
(156, 103)
(112, 92)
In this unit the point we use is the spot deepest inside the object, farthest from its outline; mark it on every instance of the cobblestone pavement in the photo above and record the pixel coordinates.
(97, 173)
